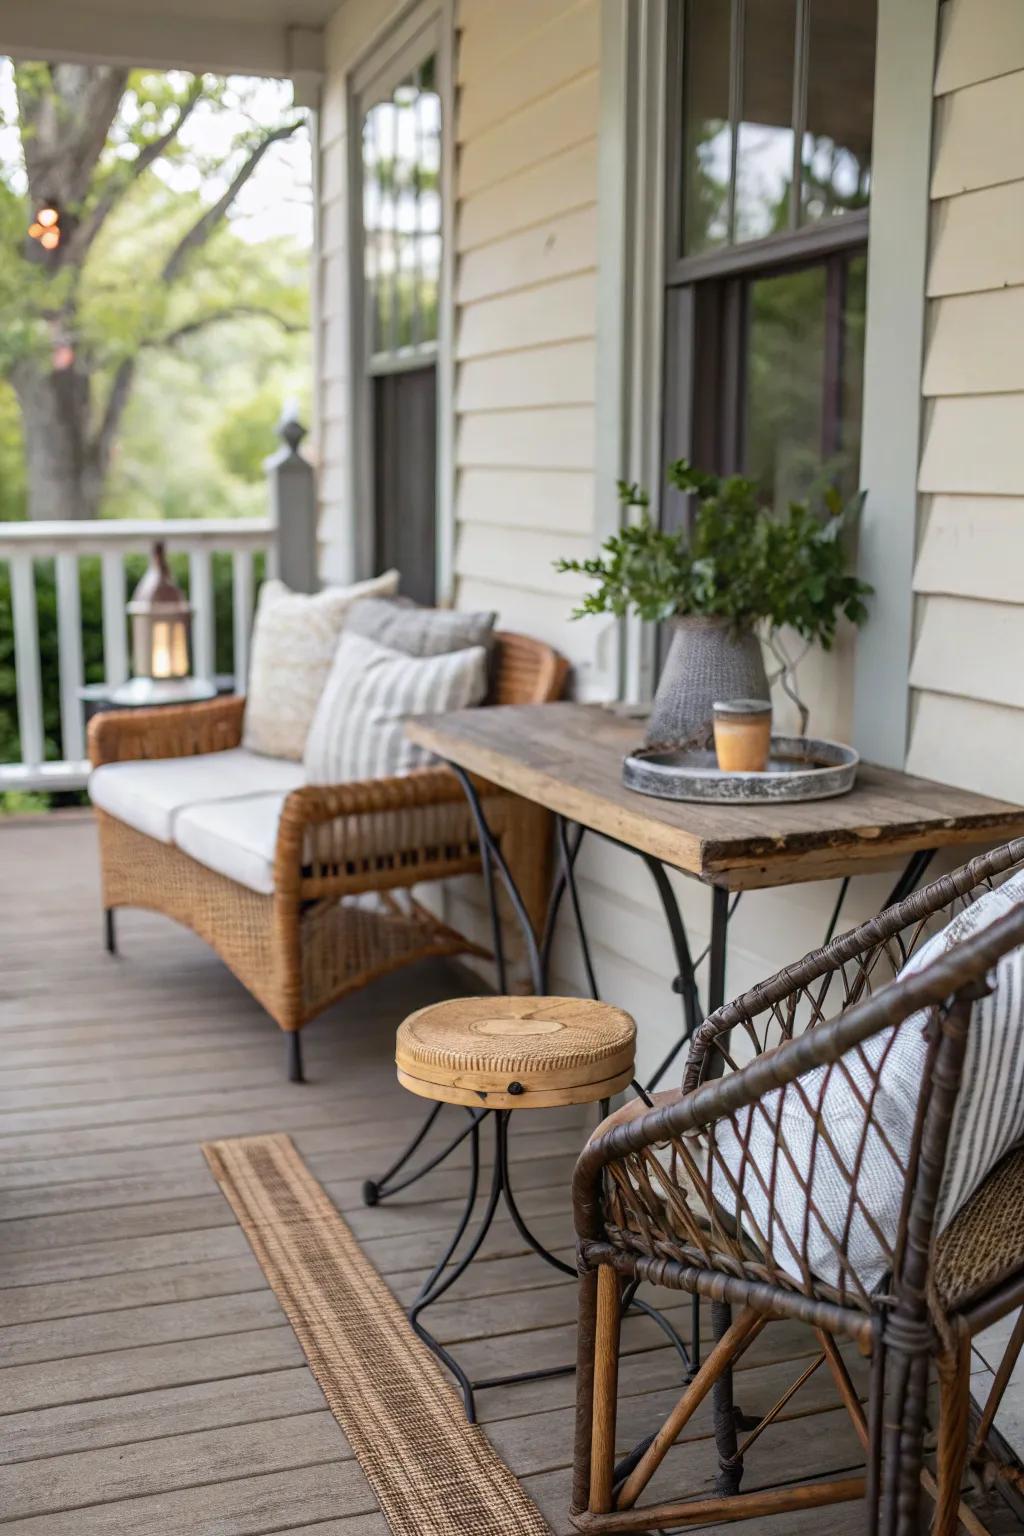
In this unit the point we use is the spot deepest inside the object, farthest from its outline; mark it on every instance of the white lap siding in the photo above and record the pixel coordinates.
(526, 294)
(968, 700)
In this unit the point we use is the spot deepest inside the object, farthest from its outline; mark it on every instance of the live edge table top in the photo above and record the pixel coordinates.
(568, 757)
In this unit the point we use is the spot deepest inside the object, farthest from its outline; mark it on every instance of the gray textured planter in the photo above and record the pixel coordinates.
(707, 661)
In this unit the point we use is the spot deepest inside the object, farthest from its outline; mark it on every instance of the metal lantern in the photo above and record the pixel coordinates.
(161, 623)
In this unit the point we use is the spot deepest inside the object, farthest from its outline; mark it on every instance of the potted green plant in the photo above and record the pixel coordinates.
(738, 575)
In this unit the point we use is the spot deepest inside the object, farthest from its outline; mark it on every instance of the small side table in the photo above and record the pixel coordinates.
(97, 698)
(496, 1056)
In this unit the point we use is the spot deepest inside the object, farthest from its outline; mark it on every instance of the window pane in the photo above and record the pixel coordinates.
(707, 134)
(784, 402)
(764, 159)
(402, 214)
(836, 150)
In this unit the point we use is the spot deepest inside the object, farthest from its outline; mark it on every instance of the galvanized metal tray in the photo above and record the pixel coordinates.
(799, 768)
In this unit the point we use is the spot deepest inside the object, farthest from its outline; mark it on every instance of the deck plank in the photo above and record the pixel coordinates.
(145, 1361)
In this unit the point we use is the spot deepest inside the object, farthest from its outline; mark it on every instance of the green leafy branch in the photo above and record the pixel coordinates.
(739, 561)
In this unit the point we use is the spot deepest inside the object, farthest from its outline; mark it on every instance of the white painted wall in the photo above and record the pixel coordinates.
(967, 723)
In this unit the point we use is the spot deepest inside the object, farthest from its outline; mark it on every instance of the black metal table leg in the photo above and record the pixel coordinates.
(492, 858)
(569, 854)
(916, 866)
(686, 978)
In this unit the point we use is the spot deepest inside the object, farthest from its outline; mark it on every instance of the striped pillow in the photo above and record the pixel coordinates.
(988, 1121)
(358, 731)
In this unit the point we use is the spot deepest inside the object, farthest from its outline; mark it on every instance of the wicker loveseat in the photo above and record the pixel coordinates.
(273, 898)
(690, 1193)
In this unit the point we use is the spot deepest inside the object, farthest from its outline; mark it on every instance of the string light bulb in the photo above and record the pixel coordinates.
(46, 229)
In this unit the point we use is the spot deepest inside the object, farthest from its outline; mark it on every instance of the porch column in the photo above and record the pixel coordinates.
(291, 484)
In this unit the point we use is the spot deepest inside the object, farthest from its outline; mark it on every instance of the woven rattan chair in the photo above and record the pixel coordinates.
(301, 948)
(649, 1205)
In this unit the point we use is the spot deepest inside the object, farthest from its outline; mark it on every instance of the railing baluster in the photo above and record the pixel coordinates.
(241, 588)
(200, 590)
(115, 645)
(69, 658)
(109, 542)
(26, 660)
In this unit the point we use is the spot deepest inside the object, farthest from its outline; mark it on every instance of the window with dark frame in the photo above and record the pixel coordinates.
(402, 220)
(771, 105)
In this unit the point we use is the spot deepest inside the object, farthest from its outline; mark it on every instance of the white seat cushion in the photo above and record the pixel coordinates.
(237, 838)
(149, 796)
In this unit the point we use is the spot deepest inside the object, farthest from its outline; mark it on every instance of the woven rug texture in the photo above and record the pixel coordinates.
(433, 1473)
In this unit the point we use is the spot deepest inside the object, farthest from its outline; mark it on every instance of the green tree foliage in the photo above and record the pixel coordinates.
(148, 265)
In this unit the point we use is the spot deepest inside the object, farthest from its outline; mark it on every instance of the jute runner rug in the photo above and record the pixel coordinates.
(433, 1474)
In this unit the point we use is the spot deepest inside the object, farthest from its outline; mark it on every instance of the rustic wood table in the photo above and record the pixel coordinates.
(568, 758)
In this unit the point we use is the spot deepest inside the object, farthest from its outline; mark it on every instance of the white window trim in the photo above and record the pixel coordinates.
(893, 360)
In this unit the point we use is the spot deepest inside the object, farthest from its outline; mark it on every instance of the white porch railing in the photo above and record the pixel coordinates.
(23, 544)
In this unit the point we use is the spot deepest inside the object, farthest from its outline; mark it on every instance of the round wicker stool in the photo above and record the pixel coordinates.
(495, 1056)
(516, 1052)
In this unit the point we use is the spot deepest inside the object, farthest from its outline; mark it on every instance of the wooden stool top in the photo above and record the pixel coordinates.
(516, 1052)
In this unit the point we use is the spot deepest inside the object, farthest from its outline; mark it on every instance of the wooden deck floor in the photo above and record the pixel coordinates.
(150, 1385)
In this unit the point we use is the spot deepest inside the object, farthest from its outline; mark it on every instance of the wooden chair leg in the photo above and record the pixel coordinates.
(586, 1330)
(606, 1389)
(736, 1338)
(954, 1417)
(1011, 1354)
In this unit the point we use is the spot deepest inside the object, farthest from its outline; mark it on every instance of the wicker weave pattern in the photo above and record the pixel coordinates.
(301, 949)
(982, 1245)
(641, 1218)
(650, 1208)
(500, 1035)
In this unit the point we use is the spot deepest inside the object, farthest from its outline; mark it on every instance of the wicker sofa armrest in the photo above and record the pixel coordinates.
(320, 823)
(959, 974)
(314, 804)
(121, 736)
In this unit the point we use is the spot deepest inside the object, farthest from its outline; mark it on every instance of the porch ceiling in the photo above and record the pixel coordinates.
(272, 37)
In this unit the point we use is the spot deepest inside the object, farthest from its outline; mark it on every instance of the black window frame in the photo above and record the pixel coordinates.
(704, 315)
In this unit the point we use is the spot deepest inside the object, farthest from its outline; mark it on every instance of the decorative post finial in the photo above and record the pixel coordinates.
(290, 429)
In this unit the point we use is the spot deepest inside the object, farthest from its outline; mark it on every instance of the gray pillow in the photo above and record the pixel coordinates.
(419, 631)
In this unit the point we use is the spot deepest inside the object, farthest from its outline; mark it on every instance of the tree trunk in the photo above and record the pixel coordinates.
(65, 477)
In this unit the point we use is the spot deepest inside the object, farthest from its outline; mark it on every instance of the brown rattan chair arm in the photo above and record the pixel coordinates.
(958, 971)
(317, 805)
(793, 979)
(120, 736)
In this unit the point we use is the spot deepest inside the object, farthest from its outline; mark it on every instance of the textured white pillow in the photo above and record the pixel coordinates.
(294, 638)
(357, 731)
(988, 1121)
